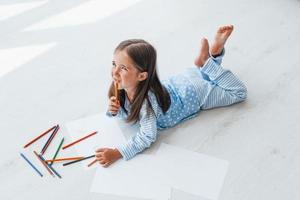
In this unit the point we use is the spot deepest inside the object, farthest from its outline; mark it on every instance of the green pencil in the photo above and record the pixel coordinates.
(59, 146)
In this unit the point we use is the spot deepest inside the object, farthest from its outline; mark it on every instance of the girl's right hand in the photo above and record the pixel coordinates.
(114, 105)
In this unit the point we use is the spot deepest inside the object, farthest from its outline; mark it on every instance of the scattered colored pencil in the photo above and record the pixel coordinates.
(38, 137)
(59, 146)
(44, 163)
(69, 163)
(64, 159)
(91, 163)
(31, 165)
(54, 171)
(49, 140)
(85, 137)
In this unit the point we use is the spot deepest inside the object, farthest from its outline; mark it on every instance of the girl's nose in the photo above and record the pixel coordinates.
(115, 71)
(117, 68)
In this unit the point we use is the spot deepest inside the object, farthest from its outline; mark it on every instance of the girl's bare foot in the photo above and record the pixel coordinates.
(204, 53)
(220, 39)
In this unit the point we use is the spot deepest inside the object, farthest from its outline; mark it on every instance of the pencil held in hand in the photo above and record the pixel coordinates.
(114, 105)
(72, 162)
(116, 90)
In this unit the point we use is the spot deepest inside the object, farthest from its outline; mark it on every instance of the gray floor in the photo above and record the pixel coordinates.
(69, 79)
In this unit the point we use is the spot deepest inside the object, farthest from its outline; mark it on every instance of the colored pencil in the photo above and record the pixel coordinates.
(116, 90)
(23, 156)
(69, 163)
(44, 163)
(49, 140)
(54, 171)
(38, 137)
(83, 138)
(59, 146)
(64, 159)
(91, 163)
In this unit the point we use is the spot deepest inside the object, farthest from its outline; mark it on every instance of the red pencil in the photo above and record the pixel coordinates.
(45, 164)
(90, 164)
(38, 137)
(71, 144)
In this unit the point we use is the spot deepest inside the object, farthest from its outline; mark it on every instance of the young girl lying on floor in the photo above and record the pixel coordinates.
(158, 105)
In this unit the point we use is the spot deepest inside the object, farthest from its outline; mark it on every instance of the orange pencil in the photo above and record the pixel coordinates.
(90, 164)
(71, 144)
(38, 137)
(63, 159)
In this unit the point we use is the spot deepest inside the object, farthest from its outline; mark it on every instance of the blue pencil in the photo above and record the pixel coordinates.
(31, 165)
(55, 172)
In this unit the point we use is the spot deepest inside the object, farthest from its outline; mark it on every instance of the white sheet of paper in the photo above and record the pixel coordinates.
(138, 177)
(192, 172)
(146, 176)
(109, 134)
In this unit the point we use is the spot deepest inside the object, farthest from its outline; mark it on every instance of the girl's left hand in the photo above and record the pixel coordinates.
(106, 156)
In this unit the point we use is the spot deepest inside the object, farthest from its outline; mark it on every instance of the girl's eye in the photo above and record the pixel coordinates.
(123, 68)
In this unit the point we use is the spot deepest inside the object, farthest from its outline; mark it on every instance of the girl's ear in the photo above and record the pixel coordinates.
(142, 76)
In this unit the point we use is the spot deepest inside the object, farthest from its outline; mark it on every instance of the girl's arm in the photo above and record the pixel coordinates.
(115, 109)
(144, 137)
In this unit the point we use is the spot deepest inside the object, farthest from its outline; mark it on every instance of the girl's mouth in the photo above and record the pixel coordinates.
(119, 82)
(116, 80)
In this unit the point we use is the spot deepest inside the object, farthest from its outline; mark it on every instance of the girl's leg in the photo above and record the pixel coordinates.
(221, 37)
(217, 49)
(222, 87)
(203, 54)
(218, 58)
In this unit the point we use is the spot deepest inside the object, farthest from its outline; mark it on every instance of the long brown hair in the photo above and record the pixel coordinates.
(144, 56)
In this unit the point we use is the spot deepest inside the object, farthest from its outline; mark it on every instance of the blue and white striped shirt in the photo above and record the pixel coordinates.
(190, 92)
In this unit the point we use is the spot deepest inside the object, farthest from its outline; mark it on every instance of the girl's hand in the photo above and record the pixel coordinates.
(106, 156)
(114, 105)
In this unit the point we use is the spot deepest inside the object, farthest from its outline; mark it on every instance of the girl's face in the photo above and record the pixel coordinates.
(125, 73)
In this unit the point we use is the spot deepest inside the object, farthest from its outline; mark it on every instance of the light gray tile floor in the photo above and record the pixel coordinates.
(60, 73)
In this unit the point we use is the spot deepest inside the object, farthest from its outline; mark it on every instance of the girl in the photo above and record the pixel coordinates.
(159, 105)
